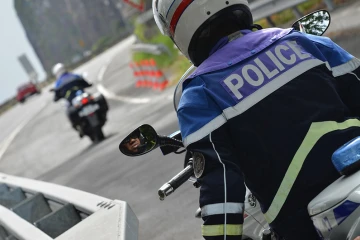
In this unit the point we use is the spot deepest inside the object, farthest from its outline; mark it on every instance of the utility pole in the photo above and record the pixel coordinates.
(297, 12)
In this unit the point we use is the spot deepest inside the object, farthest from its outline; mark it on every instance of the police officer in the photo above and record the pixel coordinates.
(68, 85)
(267, 107)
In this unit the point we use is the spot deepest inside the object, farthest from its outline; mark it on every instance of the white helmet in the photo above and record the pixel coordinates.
(197, 25)
(58, 70)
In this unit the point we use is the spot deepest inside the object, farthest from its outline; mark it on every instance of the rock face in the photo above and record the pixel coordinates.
(62, 30)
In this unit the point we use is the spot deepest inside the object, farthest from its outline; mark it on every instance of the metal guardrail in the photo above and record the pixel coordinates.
(155, 49)
(260, 8)
(35, 210)
(265, 8)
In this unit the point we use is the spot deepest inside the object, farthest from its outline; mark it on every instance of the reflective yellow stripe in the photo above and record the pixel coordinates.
(218, 230)
(68, 92)
(316, 131)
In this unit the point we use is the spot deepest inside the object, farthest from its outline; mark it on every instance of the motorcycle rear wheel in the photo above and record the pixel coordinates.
(97, 135)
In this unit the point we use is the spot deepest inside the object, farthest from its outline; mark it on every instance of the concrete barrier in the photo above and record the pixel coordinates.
(32, 208)
(59, 221)
(19, 228)
(36, 210)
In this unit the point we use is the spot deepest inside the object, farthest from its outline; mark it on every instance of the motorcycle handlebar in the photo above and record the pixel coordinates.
(170, 187)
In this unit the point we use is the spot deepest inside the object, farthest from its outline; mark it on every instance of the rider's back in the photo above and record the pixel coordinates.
(283, 99)
(68, 84)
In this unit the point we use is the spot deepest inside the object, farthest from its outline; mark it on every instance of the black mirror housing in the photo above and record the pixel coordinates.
(315, 23)
(142, 140)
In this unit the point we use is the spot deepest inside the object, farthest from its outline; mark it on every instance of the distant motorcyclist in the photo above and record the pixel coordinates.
(67, 86)
(268, 107)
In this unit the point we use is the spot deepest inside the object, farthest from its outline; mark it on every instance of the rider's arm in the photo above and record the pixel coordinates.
(84, 82)
(349, 90)
(57, 96)
(222, 186)
(346, 69)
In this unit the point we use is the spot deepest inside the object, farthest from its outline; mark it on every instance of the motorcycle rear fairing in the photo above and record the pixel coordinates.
(334, 219)
(334, 194)
(336, 209)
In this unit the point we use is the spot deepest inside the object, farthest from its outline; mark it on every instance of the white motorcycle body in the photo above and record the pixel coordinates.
(254, 225)
(335, 211)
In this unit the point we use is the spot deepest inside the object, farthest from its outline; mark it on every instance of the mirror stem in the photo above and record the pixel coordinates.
(164, 140)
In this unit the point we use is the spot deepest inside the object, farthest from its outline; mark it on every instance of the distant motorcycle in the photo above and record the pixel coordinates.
(91, 109)
(90, 112)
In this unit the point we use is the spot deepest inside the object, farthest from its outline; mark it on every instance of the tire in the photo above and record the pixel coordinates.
(97, 135)
(91, 138)
(101, 100)
(100, 134)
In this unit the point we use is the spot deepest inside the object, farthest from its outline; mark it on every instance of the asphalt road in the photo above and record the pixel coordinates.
(48, 149)
(38, 142)
(345, 17)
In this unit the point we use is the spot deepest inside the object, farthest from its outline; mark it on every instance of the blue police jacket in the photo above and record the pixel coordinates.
(277, 103)
(67, 84)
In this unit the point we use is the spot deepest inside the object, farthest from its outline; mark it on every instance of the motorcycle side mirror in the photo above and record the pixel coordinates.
(142, 140)
(315, 23)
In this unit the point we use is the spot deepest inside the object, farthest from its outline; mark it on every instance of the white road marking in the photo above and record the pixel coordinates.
(110, 95)
(102, 72)
(7, 142)
(113, 96)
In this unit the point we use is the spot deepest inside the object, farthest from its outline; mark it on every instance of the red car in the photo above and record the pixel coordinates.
(25, 91)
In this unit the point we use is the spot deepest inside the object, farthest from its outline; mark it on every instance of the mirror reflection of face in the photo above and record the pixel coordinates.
(142, 140)
(133, 144)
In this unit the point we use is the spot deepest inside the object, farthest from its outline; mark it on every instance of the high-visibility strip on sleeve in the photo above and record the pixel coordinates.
(68, 92)
(219, 208)
(316, 131)
(218, 230)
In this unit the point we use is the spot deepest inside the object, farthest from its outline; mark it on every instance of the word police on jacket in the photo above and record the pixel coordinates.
(265, 68)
